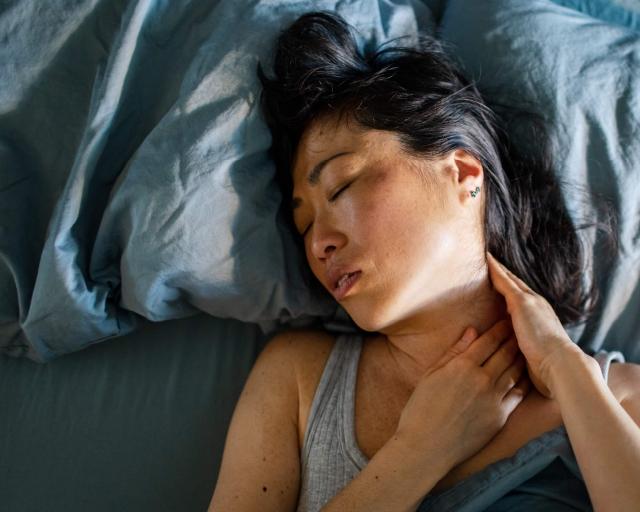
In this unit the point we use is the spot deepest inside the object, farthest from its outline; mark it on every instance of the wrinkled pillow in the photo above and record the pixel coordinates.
(135, 176)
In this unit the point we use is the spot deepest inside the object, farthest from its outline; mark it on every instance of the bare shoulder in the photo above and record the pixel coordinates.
(303, 338)
(306, 348)
(624, 380)
(309, 350)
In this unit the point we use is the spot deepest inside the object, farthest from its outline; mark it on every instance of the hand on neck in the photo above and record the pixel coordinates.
(417, 342)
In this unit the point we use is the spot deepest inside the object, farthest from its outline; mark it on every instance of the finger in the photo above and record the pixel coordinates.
(511, 375)
(482, 348)
(518, 393)
(468, 336)
(519, 282)
(460, 346)
(501, 280)
(504, 274)
(502, 359)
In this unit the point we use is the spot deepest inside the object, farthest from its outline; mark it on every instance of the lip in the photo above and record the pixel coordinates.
(335, 272)
(341, 293)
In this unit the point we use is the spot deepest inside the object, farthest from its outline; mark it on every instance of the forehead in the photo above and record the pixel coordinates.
(328, 136)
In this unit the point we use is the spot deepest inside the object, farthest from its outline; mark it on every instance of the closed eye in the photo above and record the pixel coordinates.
(335, 196)
(331, 200)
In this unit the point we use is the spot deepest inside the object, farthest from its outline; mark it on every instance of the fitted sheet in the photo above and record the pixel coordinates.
(133, 425)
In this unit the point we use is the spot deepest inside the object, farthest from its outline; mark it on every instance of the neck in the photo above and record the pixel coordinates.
(418, 342)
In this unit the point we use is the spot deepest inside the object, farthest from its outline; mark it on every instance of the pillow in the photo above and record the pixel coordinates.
(583, 75)
(135, 174)
(137, 178)
(623, 12)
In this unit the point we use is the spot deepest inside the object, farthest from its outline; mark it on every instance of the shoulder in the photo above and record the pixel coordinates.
(302, 338)
(304, 348)
(624, 380)
(300, 344)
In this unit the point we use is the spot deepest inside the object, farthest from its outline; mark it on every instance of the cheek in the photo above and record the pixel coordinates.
(381, 204)
(409, 234)
(390, 212)
(376, 223)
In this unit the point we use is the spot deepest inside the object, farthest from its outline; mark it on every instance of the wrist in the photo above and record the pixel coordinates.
(426, 454)
(570, 358)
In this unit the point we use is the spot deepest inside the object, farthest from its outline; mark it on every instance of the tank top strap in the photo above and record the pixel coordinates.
(346, 402)
(329, 398)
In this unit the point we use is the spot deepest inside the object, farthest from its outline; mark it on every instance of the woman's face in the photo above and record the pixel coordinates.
(409, 225)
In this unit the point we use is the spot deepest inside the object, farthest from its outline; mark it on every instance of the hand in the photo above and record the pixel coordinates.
(461, 403)
(539, 333)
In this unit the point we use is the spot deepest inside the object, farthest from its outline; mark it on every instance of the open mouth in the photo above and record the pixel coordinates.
(345, 283)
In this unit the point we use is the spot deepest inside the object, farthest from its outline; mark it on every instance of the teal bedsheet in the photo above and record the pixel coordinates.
(134, 425)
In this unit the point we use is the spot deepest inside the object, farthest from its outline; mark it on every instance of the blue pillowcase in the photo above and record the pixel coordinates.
(136, 179)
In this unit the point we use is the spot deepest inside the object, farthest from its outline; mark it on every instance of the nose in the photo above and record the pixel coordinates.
(325, 240)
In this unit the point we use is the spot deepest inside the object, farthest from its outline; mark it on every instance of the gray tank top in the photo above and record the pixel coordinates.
(543, 473)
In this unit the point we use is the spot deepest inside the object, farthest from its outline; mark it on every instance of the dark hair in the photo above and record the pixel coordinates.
(420, 93)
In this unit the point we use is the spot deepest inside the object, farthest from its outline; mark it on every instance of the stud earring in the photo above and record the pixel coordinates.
(475, 192)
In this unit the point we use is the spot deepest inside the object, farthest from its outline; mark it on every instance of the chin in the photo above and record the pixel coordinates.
(367, 318)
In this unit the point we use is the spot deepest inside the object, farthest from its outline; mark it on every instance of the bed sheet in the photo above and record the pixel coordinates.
(137, 424)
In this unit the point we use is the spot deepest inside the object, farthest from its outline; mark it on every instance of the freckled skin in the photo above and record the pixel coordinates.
(413, 228)
(403, 230)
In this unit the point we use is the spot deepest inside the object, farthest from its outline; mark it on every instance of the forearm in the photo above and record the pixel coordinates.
(396, 478)
(604, 438)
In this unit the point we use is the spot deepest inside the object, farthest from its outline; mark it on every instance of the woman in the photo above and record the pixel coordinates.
(402, 185)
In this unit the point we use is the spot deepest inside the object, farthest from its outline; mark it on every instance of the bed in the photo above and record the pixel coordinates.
(144, 256)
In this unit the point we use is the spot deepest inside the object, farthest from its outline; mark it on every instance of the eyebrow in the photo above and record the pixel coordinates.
(314, 176)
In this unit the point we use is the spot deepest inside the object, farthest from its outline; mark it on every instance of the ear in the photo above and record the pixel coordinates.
(467, 174)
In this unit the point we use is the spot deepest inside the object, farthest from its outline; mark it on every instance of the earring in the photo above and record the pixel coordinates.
(475, 192)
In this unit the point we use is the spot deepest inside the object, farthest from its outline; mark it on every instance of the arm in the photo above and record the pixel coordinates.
(260, 467)
(604, 436)
(604, 433)
(394, 479)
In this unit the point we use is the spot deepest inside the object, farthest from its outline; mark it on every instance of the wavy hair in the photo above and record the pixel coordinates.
(420, 93)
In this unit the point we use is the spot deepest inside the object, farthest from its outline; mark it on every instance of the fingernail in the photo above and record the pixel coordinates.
(468, 335)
